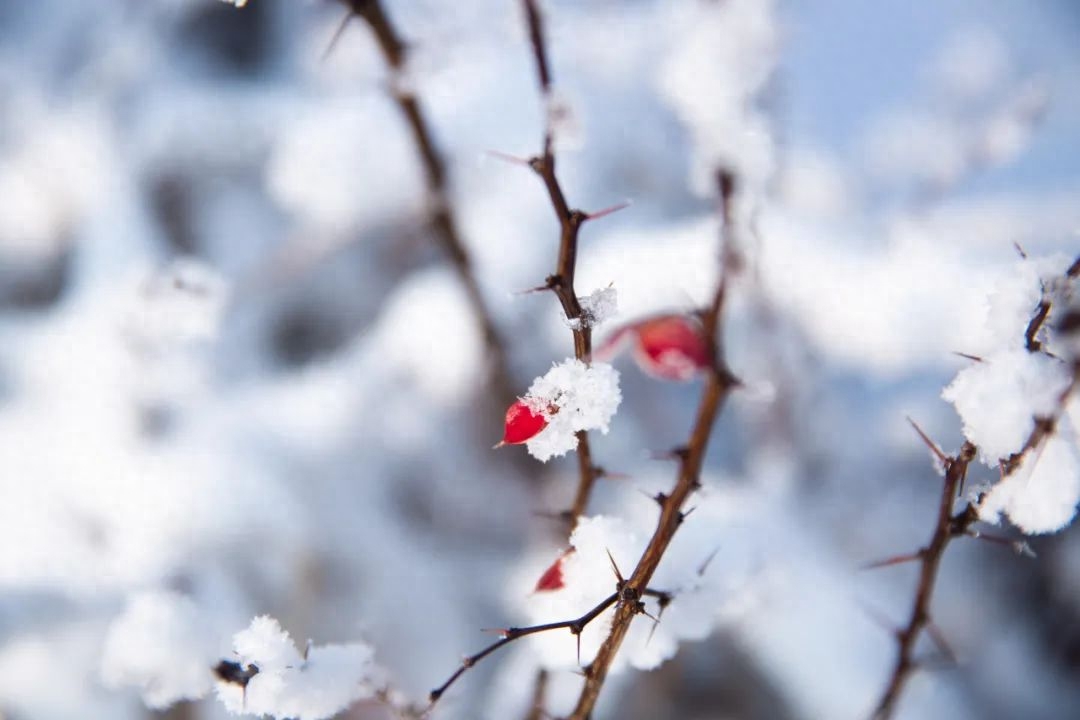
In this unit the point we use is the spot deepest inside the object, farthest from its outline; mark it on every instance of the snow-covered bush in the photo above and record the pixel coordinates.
(263, 314)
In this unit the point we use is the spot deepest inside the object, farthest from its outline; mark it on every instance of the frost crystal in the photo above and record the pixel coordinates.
(159, 645)
(328, 680)
(573, 396)
(596, 307)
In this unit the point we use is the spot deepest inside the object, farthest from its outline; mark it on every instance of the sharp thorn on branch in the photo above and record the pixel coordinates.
(596, 215)
(894, 560)
(938, 452)
(506, 157)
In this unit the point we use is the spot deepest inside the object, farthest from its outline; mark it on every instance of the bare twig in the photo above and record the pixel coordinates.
(536, 709)
(718, 384)
(443, 222)
(575, 626)
(946, 528)
(570, 220)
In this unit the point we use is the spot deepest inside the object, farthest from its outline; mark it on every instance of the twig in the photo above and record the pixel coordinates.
(561, 283)
(536, 709)
(929, 557)
(442, 219)
(718, 384)
(509, 635)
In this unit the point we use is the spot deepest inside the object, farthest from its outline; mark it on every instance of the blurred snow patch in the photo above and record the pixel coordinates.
(428, 335)
(181, 304)
(973, 62)
(346, 163)
(160, 645)
(722, 55)
(320, 684)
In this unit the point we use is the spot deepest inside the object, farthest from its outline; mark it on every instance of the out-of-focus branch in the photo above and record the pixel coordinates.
(536, 708)
(950, 525)
(718, 384)
(442, 219)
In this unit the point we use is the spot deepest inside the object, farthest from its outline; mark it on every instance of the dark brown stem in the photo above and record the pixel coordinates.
(718, 384)
(951, 526)
(509, 635)
(536, 708)
(561, 283)
(442, 219)
(947, 527)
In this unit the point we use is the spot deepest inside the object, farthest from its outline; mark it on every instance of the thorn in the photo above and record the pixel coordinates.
(505, 632)
(608, 210)
(615, 567)
(609, 475)
(642, 611)
(684, 515)
(578, 636)
(704, 565)
(930, 443)
(337, 35)
(1022, 548)
(1020, 250)
(532, 290)
(562, 516)
(973, 358)
(506, 157)
(498, 445)
(676, 454)
(660, 498)
(894, 560)
(942, 644)
(878, 618)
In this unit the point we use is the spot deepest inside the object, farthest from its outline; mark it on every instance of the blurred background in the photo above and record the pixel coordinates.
(236, 367)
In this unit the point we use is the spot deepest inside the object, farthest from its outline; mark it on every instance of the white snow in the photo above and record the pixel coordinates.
(999, 398)
(161, 646)
(596, 307)
(288, 685)
(1042, 494)
(573, 396)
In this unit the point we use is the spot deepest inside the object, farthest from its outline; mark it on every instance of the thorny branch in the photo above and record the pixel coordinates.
(718, 384)
(562, 281)
(442, 219)
(950, 526)
(576, 626)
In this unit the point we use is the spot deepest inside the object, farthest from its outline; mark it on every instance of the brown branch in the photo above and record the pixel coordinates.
(442, 219)
(536, 708)
(509, 635)
(929, 557)
(561, 283)
(1042, 312)
(718, 384)
(950, 526)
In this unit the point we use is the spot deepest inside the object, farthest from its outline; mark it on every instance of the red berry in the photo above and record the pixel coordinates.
(552, 579)
(671, 347)
(522, 424)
